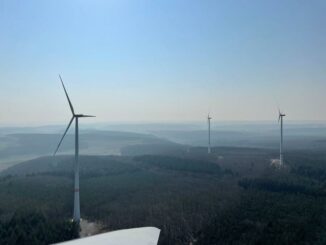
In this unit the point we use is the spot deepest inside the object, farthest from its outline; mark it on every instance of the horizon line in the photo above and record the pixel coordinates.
(169, 122)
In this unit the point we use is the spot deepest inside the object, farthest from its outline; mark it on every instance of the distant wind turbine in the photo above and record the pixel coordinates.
(209, 133)
(280, 120)
(76, 217)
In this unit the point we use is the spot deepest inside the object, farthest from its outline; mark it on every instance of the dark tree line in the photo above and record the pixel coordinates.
(36, 228)
(192, 200)
(268, 218)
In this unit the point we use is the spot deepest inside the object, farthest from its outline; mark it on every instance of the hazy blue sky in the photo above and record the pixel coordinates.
(168, 60)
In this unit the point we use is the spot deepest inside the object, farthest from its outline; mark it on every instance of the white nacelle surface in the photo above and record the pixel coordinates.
(136, 236)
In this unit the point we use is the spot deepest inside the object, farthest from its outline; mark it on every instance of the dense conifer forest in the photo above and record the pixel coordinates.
(233, 196)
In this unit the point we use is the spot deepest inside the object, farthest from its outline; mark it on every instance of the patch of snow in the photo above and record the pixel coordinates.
(275, 162)
(89, 228)
(220, 157)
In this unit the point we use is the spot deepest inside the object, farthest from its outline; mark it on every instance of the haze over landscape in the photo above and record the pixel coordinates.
(162, 61)
(153, 73)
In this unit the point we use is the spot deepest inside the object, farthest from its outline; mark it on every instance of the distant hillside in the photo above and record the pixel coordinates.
(19, 147)
(109, 165)
(229, 157)
(260, 137)
(154, 149)
(64, 165)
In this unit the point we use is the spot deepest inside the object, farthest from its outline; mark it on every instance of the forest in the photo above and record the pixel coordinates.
(232, 196)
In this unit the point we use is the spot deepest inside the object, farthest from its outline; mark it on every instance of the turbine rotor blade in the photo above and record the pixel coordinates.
(64, 135)
(70, 104)
(279, 114)
(87, 116)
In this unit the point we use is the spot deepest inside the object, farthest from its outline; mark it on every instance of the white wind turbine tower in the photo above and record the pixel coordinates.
(76, 217)
(209, 133)
(280, 120)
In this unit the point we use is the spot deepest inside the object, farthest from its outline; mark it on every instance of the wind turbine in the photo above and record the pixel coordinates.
(280, 120)
(209, 133)
(76, 217)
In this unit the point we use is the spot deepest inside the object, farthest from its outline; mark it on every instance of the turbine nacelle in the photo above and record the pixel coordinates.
(280, 115)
